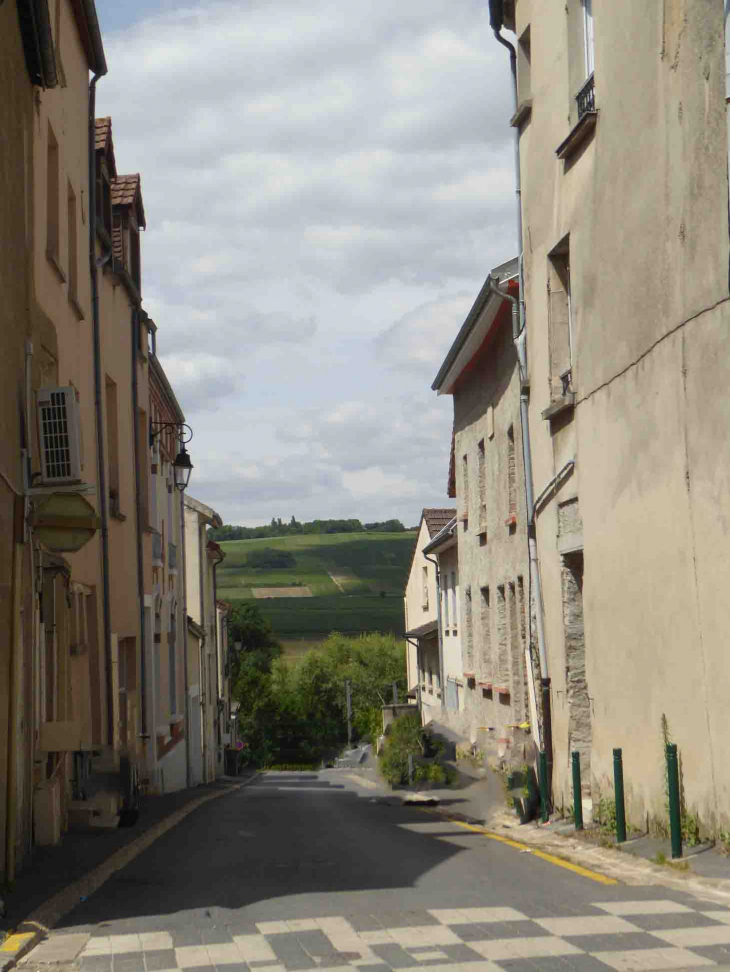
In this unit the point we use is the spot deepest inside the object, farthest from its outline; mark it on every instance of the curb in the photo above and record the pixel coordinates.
(623, 867)
(36, 926)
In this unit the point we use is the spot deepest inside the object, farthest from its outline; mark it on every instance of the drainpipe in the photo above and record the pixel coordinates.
(98, 406)
(440, 630)
(136, 323)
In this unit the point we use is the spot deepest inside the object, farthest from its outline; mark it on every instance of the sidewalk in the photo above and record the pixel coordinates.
(55, 878)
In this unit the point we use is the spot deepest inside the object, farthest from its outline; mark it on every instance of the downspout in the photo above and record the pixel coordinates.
(188, 766)
(136, 315)
(98, 406)
(496, 12)
(440, 630)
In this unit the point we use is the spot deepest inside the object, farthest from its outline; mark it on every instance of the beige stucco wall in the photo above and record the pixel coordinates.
(645, 203)
(15, 582)
(61, 325)
(416, 613)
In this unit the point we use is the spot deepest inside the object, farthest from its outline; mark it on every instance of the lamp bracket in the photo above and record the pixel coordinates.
(182, 429)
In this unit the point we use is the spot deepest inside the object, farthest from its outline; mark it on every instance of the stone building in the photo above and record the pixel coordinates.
(621, 125)
(486, 477)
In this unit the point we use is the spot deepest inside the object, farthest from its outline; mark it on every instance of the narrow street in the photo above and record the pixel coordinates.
(304, 871)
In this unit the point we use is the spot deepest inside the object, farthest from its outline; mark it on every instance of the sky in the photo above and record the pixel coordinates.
(327, 185)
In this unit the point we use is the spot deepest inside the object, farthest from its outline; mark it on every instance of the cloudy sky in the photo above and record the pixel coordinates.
(327, 185)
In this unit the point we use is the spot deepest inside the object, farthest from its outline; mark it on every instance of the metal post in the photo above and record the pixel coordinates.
(542, 772)
(675, 819)
(577, 792)
(348, 697)
(618, 785)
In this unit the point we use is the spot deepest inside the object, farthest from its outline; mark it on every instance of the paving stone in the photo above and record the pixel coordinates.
(395, 956)
(157, 960)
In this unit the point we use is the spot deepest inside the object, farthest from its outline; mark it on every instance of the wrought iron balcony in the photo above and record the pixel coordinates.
(586, 98)
(172, 558)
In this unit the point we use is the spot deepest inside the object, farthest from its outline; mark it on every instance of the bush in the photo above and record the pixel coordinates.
(405, 738)
(267, 558)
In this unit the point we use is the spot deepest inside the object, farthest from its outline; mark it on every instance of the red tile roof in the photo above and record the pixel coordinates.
(436, 519)
(124, 189)
(104, 143)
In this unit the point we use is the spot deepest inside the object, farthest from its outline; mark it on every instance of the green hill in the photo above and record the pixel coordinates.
(348, 582)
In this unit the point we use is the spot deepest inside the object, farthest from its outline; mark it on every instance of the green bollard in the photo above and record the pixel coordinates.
(618, 785)
(675, 819)
(577, 792)
(544, 801)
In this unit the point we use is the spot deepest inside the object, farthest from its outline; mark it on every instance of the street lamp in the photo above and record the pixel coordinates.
(182, 466)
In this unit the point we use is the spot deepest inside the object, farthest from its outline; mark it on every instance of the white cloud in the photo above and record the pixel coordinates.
(327, 185)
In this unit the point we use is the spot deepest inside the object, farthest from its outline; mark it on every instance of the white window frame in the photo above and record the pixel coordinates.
(588, 36)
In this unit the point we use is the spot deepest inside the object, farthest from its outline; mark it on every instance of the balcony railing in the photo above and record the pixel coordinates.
(586, 98)
(171, 557)
(156, 550)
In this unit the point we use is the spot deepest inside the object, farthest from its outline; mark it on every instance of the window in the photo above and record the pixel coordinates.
(446, 601)
(465, 489)
(485, 662)
(143, 436)
(468, 633)
(511, 476)
(52, 199)
(482, 472)
(103, 196)
(112, 438)
(588, 36)
(455, 621)
(424, 595)
(524, 84)
(560, 320)
(171, 647)
(73, 247)
(133, 255)
(501, 674)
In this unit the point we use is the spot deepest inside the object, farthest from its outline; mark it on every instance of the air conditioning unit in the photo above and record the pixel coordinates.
(59, 435)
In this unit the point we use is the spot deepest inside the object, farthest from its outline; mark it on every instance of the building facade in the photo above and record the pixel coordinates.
(421, 606)
(622, 130)
(481, 373)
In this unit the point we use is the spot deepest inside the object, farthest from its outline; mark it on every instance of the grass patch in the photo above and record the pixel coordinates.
(370, 568)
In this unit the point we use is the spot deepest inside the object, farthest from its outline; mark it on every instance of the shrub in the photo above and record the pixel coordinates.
(404, 739)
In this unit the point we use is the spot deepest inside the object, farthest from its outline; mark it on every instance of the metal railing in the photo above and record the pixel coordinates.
(586, 98)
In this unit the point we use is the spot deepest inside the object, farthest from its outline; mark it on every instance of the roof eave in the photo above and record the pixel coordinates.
(455, 362)
(87, 21)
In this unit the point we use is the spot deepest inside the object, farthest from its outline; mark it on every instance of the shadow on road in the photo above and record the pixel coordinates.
(289, 834)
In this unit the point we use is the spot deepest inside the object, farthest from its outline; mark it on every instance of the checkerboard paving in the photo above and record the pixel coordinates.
(621, 935)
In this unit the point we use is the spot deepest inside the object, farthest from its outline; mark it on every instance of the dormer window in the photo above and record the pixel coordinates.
(133, 265)
(103, 196)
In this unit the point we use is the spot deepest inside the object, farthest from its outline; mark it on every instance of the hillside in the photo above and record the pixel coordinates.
(350, 582)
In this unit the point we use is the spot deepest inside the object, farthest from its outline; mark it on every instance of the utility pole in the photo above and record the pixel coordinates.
(348, 696)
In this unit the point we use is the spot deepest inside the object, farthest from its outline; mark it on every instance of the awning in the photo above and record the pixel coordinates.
(423, 630)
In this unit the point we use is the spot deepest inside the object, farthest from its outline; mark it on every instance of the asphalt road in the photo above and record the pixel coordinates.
(306, 871)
